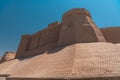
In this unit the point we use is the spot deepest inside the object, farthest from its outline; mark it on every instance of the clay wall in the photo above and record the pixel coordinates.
(50, 34)
(40, 42)
(49, 37)
(77, 28)
(112, 34)
(97, 31)
(35, 38)
(24, 43)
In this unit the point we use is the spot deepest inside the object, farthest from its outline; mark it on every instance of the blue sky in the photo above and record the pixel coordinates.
(19, 17)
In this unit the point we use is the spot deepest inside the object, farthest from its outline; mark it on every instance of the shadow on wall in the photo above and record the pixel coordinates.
(55, 50)
(52, 51)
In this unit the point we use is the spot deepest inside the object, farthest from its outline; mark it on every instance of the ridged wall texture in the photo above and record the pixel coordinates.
(79, 60)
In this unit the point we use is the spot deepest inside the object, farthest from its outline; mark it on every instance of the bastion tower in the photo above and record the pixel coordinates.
(76, 27)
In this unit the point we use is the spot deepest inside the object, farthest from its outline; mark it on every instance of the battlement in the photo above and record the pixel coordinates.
(76, 11)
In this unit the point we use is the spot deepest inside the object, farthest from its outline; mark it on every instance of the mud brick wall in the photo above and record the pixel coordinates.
(39, 42)
(77, 27)
(25, 41)
(112, 34)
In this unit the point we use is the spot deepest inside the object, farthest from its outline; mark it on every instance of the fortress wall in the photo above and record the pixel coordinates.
(49, 35)
(67, 34)
(34, 41)
(84, 31)
(39, 50)
(97, 31)
(25, 41)
(31, 53)
(77, 28)
(112, 34)
(41, 41)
